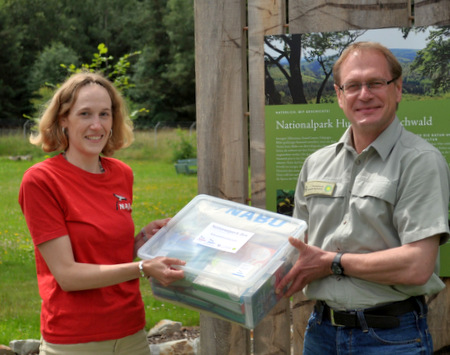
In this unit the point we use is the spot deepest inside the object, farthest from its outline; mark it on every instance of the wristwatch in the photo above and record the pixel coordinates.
(336, 266)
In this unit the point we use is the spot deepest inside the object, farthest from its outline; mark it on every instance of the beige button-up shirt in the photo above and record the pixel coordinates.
(395, 192)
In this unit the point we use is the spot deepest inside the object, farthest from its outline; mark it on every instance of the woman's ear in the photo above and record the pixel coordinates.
(62, 122)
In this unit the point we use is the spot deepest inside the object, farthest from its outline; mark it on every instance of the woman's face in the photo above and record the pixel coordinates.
(88, 123)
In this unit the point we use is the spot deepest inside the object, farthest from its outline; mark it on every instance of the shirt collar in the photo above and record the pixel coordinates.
(383, 144)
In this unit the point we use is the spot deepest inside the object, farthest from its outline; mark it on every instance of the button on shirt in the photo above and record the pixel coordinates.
(395, 192)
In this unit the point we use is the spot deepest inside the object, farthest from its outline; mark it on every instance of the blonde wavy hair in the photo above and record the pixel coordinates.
(51, 136)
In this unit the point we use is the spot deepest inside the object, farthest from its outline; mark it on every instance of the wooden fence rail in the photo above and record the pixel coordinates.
(230, 129)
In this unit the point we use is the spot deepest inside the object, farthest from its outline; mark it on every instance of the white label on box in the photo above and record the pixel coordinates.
(221, 237)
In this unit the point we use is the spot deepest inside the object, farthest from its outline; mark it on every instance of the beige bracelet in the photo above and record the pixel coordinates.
(141, 268)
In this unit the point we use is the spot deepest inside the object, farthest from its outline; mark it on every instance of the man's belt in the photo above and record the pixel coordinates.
(377, 317)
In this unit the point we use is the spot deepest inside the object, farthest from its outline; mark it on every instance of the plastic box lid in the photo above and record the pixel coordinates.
(225, 243)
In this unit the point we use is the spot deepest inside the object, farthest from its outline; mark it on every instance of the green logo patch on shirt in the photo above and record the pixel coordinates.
(319, 188)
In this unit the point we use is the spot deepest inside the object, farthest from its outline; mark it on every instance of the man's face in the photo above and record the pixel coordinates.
(370, 111)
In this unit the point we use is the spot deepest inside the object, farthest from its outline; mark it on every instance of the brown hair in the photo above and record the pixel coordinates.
(51, 137)
(394, 65)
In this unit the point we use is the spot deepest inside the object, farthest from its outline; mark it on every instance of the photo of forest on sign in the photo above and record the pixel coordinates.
(298, 67)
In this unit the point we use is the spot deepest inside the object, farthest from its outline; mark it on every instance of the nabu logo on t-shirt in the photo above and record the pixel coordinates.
(121, 203)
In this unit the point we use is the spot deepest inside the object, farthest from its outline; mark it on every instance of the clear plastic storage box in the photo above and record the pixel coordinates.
(234, 254)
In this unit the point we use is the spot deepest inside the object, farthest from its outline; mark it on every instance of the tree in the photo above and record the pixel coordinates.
(162, 29)
(326, 48)
(290, 51)
(47, 69)
(164, 74)
(323, 48)
(151, 87)
(433, 61)
(119, 24)
(27, 27)
(273, 97)
(179, 22)
(14, 98)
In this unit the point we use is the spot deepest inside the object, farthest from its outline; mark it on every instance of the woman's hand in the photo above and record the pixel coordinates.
(161, 269)
(75, 276)
(147, 232)
(151, 228)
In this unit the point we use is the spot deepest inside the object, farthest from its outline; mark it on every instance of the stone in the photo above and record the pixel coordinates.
(21, 157)
(176, 347)
(25, 347)
(6, 350)
(165, 327)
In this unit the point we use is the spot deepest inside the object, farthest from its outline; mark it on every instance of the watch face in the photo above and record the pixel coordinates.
(337, 270)
(336, 267)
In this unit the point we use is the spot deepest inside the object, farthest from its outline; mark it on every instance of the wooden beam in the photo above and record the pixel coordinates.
(265, 17)
(221, 98)
(432, 12)
(339, 15)
(222, 132)
(439, 319)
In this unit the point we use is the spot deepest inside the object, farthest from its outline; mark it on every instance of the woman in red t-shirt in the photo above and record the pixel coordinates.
(78, 209)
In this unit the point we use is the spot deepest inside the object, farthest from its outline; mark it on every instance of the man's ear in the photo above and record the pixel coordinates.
(339, 95)
(398, 89)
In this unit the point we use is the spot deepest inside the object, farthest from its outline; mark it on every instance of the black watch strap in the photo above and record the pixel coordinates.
(336, 266)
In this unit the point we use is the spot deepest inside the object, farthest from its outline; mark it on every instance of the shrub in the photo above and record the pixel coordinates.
(185, 147)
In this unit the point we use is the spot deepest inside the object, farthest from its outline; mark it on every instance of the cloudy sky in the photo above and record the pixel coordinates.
(392, 38)
(389, 37)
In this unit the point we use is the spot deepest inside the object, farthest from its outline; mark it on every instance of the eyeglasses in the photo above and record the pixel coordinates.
(375, 85)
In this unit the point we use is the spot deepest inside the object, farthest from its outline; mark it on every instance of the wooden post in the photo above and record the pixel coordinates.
(265, 17)
(439, 319)
(221, 95)
(301, 310)
(221, 98)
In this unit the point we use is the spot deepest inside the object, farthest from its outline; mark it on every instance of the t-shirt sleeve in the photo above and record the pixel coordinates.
(41, 207)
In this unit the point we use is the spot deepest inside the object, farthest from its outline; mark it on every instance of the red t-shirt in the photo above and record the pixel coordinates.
(57, 199)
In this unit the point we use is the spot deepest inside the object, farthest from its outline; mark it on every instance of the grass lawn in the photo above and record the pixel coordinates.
(158, 193)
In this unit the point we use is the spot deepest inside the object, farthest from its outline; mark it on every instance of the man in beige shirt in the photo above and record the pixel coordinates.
(376, 203)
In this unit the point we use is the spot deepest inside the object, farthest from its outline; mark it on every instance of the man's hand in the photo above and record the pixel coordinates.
(409, 264)
(313, 263)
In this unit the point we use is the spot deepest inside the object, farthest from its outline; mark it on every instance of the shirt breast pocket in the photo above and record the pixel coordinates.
(382, 189)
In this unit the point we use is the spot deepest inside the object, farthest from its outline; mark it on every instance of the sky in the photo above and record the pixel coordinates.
(392, 38)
